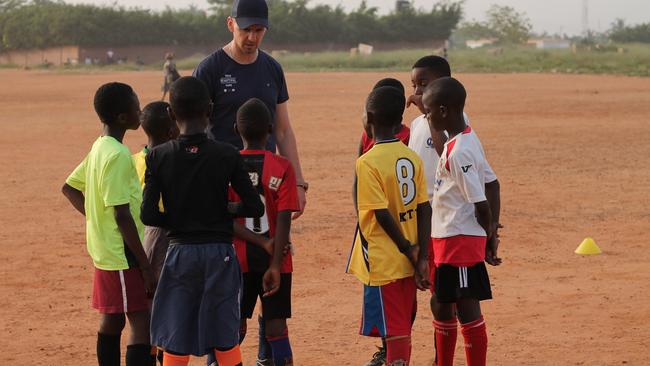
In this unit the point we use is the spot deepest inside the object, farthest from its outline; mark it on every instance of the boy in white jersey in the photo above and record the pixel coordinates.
(463, 226)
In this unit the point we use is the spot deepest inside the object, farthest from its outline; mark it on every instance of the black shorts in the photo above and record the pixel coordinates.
(454, 283)
(276, 306)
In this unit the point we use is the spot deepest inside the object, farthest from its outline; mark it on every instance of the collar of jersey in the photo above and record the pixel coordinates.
(253, 152)
(387, 141)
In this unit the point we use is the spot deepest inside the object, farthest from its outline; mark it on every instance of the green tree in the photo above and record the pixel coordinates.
(508, 25)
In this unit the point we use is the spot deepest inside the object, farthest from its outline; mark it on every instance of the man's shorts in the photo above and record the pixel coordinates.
(196, 307)
(454, 283)
(117, 292)
(276, 306)
(155, 246)
(389, 310)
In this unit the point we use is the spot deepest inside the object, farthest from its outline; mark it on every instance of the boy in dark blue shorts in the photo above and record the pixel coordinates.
(196, 307)
(104, 188)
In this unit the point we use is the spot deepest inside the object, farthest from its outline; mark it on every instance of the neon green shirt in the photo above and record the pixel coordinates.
(107, 178)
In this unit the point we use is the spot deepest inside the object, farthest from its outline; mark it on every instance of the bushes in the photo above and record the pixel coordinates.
(46, 23)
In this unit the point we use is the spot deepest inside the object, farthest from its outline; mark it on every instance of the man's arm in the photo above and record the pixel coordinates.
(129, 231)
(75, 197)
(287, 147)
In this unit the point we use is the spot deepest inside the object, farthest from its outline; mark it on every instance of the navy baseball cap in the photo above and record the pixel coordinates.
(250, 12)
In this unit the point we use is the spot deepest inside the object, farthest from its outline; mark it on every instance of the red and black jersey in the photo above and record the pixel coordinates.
(275, 181)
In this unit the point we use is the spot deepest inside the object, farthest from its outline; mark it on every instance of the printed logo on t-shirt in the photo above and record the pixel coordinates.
(466, 168)
(192, 149)
(429, 143)
(255, 178)
(228, 82)
(274, 183)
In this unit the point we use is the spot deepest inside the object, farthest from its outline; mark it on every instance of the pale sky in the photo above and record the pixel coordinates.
(554, 16)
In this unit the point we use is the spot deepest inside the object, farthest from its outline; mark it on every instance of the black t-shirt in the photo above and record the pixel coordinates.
(192, 175)
(231, 84)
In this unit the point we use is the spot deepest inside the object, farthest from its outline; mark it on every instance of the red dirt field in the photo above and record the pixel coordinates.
(571, 153)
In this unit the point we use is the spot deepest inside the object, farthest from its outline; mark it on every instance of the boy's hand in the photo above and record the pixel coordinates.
(288, 249)
(422, 275)
(491, 251)
(149, 281)
(415, 100)
(271, 282)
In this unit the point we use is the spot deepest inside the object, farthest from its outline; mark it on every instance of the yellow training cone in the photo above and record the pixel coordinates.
(588, 246)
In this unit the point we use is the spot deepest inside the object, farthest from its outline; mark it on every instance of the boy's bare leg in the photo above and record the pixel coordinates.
(278, 336)
(139, 351)
(108, 339)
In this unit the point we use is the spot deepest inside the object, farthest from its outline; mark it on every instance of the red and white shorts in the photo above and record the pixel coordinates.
(389, 310)
(121, 291)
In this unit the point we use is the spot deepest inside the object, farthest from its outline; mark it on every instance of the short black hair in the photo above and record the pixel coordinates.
(189, 98)
(390, 82)
(387, 104)
(253, 120)
(436, 64)
(155, 119)
(111, 100)
(447, 91)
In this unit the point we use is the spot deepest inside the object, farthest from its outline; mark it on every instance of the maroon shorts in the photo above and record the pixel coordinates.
(389, 310)
(120, 291)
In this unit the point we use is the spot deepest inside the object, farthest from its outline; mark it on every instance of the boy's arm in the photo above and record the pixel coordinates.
(150, 210)
(243, 233)
(250, 205)
(129, 232)
(424, 236)
(75, 197)
(271, 281)
(387, 222)
(493, 194)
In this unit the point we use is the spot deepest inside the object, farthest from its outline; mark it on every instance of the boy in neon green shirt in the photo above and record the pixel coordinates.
(105, 189)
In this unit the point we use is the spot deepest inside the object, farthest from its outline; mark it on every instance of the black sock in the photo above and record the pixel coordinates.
(108, 349)
(161, 354)
(140, 355)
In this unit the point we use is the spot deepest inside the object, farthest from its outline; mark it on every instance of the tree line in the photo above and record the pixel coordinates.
(47, 23)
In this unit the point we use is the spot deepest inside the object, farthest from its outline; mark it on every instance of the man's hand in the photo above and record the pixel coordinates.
(271, 281)
(422, 275)
(415, 100)
(491, 251)
(149, 281)
(302, 200)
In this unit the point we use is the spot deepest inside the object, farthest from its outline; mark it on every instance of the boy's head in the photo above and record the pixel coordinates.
(427, 69)
(384, 109)
(253, 122)
(390, 82)
(444, 100)
(117, 104)
(157, 123)
(190, 100)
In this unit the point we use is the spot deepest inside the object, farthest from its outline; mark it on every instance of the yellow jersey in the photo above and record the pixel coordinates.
(141, 167)
(389, 176)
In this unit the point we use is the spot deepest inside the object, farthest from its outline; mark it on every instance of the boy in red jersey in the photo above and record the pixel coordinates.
(261, 243)
(464, 226)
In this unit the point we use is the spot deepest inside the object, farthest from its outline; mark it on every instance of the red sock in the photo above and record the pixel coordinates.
(398, 350)
(475, 335)
(445, 338)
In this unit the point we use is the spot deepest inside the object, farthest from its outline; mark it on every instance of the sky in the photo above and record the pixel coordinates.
(552, 16)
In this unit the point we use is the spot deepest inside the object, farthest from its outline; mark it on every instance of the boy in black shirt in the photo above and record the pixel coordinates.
(196, 307)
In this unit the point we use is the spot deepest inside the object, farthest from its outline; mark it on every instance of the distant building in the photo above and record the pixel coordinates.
(478, 43)
(550, 43)
(401, 5)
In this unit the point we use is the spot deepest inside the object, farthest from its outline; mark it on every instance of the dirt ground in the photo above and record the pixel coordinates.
(571, 153)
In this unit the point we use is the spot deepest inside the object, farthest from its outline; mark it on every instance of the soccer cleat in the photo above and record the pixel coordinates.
(379, 358)
(264, 362)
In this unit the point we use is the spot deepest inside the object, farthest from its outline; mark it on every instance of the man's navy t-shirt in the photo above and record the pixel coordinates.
(231, 84)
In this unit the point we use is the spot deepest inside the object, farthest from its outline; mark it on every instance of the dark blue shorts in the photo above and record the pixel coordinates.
(196, 307)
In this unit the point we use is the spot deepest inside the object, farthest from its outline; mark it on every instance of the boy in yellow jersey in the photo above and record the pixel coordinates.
(390, 251)
(160, 128)
(104, 188)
